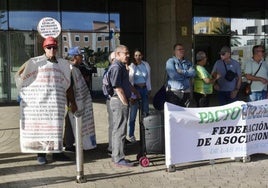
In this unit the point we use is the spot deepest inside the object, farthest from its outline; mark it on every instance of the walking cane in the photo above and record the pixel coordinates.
(79, 149)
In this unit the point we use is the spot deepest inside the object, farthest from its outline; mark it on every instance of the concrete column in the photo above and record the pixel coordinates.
(166, 23)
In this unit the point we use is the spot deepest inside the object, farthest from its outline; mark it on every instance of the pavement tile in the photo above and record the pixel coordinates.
(21, 170)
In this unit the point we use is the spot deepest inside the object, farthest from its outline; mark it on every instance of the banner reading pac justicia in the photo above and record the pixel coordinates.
(234, 130)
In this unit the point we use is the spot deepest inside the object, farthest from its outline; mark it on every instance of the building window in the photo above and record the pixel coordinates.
(106, 49)
(251, 30)
(99, 49)
(64, 38)
(265, 29)
(76, 38)
(99, 38)
(65, 49)
(86, 39)
(252, 42)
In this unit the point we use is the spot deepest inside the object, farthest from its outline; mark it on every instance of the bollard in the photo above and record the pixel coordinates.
(79, 150)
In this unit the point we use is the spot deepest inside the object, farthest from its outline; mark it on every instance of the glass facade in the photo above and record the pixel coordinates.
(240, 24)
(97, 27)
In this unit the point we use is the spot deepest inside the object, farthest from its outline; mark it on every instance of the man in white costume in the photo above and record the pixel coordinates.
(44, 87)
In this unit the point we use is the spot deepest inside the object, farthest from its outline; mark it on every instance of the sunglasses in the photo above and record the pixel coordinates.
(52, 47)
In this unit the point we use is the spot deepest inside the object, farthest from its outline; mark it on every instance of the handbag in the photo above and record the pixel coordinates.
(160, 98)
(230, 75)
(247, 87)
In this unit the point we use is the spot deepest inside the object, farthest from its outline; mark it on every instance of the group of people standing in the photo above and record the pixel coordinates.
(225, 78)
(47, 84)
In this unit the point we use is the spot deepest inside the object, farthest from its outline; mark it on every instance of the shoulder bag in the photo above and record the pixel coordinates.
(160, 96)
(247, 88)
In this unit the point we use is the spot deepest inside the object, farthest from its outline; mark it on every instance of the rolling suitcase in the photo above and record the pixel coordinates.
(152, 136)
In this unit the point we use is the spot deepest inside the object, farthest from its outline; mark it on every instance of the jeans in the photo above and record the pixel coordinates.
(134, 108)
(201, 100)
(120, 118)
(258, 95)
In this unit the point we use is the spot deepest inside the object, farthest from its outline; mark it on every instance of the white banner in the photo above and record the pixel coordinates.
(42, 87)
(234, 130)
(84, 104)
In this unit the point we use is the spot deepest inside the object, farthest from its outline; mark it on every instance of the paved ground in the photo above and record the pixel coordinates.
(21, 170)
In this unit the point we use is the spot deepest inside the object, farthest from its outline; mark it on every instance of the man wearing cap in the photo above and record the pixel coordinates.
(84, 106)
(75, 59)
(43, 83)
(229, 83)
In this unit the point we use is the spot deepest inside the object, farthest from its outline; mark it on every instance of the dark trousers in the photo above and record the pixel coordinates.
(202, 100)
(68, 138)
(178, 98)
(225, 97)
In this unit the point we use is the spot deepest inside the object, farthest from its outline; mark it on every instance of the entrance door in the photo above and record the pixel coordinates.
(3, 67)
(211, 45)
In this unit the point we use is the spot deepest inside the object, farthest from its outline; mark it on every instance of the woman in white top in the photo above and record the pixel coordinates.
(140, 78)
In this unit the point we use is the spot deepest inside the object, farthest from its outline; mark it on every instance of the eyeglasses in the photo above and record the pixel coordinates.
(52, 47)
(261, 51)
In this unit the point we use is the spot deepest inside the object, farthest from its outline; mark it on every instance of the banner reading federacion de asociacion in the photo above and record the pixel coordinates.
(234, 130)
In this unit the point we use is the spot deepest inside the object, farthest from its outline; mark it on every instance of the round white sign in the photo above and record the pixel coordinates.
(49, 27)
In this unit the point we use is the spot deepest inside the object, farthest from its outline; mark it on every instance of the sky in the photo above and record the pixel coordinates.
(70, 20)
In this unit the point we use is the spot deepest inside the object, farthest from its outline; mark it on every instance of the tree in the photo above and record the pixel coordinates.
(225, 29)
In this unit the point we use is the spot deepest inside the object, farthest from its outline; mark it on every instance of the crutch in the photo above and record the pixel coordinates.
(79, 149)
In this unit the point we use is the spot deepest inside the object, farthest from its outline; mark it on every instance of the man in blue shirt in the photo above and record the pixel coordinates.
(179, 74)
(119, 104)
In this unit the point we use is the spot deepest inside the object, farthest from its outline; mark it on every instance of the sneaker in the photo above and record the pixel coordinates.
(70, 148)
(132, 139)
(41, 160)
(124, 163)
(60, 157)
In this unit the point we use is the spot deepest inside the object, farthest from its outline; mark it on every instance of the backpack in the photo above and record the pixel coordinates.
(107, 87)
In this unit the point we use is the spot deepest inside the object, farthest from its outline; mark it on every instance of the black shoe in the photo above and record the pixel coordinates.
(109, 153)
(127, 142)
(60, 157)
(41, 160)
